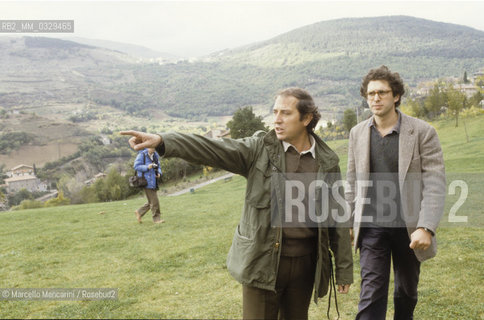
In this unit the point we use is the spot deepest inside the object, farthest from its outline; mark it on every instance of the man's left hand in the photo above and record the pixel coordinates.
(420, 239)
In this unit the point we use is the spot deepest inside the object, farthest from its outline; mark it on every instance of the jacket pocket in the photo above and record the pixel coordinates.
(239, 259)
(242, 238)
(249, 262)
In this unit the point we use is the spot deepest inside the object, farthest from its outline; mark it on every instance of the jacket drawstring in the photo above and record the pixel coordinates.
(332, 286)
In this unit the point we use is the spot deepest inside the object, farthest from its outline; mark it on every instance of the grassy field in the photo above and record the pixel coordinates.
(177, 269)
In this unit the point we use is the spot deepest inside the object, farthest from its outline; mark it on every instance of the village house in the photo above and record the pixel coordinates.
(20, 170)
(477, 75)
(23, 177)
(468, 89)
(217, 134)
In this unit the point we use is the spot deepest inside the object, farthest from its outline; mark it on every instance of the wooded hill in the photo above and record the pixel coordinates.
(327, 58)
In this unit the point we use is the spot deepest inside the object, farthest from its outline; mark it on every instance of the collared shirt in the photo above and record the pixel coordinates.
(311, 150)
(396, 127)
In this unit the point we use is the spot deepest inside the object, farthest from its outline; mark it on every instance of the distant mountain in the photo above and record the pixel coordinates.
(327, 58)
(132, 50)
(39, 70)
(396, 35)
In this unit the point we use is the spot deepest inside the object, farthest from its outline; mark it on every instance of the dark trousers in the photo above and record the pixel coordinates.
(291, 300)
(377, 247)
(153, 204)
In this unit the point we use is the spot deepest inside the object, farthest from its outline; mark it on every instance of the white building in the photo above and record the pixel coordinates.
(21, 170)
(217, 134)
(29, 182)
(23, 177)
(468, 89)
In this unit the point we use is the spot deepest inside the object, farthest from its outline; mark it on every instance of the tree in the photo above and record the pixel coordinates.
(414, 107)
(30, 204)
(476, 99)
(88, 195)
(176, 168)
(60, 200)
(434, 101)
(206, 171)
(363, 106)
(244, 123)
(456, 101)
(465, 77)
(22, 194)
(2, 174)
(71, 186)
(2, 197)
(115, 185)
(480, 83)
(101, 190)
(349, 119)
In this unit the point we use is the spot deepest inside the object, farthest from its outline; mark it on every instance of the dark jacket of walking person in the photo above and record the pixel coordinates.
(147, 164)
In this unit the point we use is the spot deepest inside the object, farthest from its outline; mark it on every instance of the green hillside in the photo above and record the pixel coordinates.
(327, 58)
(401, 35)
(177, 270)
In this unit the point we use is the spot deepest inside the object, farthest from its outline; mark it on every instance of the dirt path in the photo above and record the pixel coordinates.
(225, 176)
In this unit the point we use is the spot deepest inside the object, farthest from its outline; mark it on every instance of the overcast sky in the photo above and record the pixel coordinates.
(194, 28)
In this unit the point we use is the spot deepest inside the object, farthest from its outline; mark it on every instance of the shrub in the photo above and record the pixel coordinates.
(30, 204)
(59, 201)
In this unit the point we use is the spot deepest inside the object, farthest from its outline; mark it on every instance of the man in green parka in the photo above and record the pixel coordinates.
(279, 264)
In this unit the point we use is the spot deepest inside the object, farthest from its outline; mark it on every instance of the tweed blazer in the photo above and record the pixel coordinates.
(421, 176)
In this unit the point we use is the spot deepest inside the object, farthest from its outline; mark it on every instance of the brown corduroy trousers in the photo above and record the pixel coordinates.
(153, 204)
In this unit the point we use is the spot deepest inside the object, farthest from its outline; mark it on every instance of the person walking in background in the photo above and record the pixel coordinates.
(397, 192)
(147, 164)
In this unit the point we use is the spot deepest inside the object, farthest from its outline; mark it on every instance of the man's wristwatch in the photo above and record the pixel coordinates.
(428, 230)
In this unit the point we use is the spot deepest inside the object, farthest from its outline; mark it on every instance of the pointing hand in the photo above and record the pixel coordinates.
(142, 140)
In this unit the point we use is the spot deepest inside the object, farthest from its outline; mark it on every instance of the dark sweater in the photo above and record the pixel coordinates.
(299, 238)
(384, 195)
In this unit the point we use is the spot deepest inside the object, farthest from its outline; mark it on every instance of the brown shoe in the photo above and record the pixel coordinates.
(159, 221)
(138, 216)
